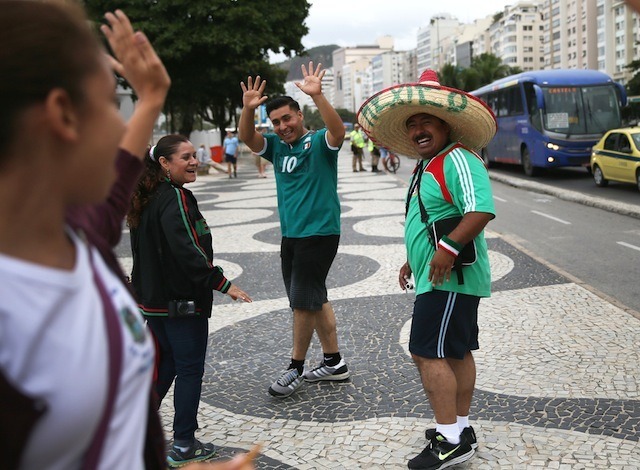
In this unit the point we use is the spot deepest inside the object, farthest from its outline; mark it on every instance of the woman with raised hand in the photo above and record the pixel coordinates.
(174, 278)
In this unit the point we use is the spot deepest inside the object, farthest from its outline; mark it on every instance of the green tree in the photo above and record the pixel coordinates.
(210, 46)
(346, 115)
(631, 112)
(489, 68)
(312, 118)
(633, 86)
(484, 69)
(451, 76)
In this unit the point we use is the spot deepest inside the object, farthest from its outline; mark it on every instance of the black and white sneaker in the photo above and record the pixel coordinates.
(287, 383)
(196, 453)
(440, 453)
(339, 372)
(467, 432)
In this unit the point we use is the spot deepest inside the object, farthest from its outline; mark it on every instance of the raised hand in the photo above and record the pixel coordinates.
(252, 92)
(312, 82)
(135, 59)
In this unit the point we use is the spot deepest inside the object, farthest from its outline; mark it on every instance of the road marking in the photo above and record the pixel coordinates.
(628, 245)
(499, 199)
(552, 217)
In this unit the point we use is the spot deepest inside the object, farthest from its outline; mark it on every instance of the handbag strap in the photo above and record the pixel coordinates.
(114, 337)
(424, 216)
(415, 186)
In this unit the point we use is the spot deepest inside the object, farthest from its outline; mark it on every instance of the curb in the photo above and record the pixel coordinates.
(572, 196)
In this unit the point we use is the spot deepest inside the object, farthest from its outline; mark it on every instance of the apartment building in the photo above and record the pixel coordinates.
(388, 69)
(516, 37)
(569, 34)
(617, 38)
(350, 64)
(436, 42)
(472, 40)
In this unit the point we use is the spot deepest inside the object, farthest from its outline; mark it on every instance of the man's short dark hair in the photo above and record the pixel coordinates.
(280, 101)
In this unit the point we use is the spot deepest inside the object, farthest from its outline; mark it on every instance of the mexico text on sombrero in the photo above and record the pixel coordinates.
(404, 94)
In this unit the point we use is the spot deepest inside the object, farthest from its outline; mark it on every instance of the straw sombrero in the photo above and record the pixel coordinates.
(383, 116)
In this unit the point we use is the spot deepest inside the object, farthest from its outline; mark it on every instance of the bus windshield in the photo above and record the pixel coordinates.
(584, 110)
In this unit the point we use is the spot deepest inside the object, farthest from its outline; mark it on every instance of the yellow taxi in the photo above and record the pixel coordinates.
(617, 157)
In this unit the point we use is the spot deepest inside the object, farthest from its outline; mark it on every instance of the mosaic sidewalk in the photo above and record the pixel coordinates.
(557, 364)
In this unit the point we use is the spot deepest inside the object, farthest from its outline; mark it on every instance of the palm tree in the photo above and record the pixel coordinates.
(489, 68)
(450, 75)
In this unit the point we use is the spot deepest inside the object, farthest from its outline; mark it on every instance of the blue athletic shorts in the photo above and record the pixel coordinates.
(305, 265)
(444, 325)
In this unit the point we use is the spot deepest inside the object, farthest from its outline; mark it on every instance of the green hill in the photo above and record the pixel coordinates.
(321, 54)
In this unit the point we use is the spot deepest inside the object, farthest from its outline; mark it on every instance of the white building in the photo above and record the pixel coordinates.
(388, 69)
(350, 65)
(517, 36)
(617, 38)
(570, 34)
(435, 45)
(471, 41)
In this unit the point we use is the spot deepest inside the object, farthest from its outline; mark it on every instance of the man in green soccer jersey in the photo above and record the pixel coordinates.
(305, 164)
(441, 127)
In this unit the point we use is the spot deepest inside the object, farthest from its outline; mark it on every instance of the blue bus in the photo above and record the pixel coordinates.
(550, 118)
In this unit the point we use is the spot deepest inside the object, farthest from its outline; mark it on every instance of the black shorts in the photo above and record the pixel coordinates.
(444, 325)
(305, 265)
(230, 158)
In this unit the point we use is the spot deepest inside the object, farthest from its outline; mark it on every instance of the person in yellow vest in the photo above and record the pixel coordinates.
(374, 151)
(357, 146)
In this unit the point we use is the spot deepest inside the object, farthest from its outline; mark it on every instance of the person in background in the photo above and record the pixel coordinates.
(384, 156)
(357, 148)
(305, 164)
(174, 278)
(76, 360)
(230, 147)
(261, 163)
(374, 151)
(203, 155)
(449, 185)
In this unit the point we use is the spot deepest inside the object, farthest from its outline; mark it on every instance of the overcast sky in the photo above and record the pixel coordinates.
(360, 22)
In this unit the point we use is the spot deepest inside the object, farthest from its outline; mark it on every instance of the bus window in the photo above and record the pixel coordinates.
(515, 101)
(532, 107)
(503, 107)
(492, 101)
(601, 105)
(564, 111)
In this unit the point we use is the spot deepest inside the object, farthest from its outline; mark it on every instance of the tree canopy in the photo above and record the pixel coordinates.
(484, 69)
(210, 46)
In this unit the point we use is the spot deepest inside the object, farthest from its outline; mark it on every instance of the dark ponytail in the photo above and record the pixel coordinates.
(152, 175)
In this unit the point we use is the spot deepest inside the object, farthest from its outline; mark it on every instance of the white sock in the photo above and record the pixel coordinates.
(450, 432)
(463, 422)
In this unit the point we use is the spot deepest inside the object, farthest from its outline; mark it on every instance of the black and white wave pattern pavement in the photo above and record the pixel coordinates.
(557, 367)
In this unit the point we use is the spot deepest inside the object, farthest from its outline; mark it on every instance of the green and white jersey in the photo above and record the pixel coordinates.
(467, 182)
(307, 184)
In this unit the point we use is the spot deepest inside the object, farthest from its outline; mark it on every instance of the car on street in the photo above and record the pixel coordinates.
(616, 157)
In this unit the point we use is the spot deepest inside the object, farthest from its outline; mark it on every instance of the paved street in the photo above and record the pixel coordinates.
(557, 364)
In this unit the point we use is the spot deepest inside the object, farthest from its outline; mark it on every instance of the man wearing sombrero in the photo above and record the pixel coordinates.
(450, 193)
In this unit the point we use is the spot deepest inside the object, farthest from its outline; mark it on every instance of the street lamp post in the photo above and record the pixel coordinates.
(436, 20)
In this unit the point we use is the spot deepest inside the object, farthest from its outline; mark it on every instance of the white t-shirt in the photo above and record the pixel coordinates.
(54, 347)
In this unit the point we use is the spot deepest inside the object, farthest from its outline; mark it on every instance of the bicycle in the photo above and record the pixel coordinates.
(391, 163)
